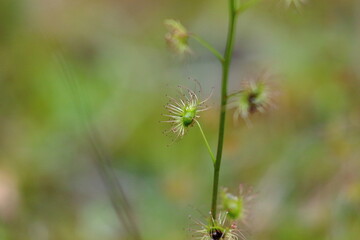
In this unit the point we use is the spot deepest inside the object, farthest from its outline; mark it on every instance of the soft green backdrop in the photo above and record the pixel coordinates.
(301, 157)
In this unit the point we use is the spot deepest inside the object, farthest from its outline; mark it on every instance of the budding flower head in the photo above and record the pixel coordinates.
(253, 97)
(233, 205)
(237, 206)
(184, 111)
(218, 229)
(177, 37)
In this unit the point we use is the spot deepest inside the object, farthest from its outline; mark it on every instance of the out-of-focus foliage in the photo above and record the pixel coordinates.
(110, 57)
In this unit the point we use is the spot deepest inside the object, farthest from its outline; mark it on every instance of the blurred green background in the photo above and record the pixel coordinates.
(108, 56)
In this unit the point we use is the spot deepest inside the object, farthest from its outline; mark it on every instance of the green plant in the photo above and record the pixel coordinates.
(184, 112)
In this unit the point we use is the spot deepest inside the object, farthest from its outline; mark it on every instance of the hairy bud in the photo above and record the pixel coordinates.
(177, 37)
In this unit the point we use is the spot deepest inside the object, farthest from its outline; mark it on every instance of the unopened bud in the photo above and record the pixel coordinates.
(177, 37)
(233, 205)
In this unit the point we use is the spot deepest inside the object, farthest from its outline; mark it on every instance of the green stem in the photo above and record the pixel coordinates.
(225, 76)
(234, 94)
(206, 142)
(208, 46)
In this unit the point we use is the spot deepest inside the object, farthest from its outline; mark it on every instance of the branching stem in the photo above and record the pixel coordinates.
(206, 142)
(225, 75)
(208, 46)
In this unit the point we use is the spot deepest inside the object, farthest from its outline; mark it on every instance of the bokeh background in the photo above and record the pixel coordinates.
(65, 64)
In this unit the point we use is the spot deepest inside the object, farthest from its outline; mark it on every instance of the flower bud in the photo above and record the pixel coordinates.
(253, 97)
(177, 37)
(184, 111)
(219, 228)
(233, 205)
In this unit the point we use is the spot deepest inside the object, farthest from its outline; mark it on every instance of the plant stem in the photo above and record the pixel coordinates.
(206, 142)
(225, 76)
(209, 47)
(234, 94)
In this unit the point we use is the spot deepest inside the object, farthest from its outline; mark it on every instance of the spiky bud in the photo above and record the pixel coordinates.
(177, 37)
(253, 97)
(218, 229)
(184, 111)
(237, 206)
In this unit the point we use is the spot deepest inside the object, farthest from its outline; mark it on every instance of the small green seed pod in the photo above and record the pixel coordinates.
(189, 117)
(238, 206)
(233, 205)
